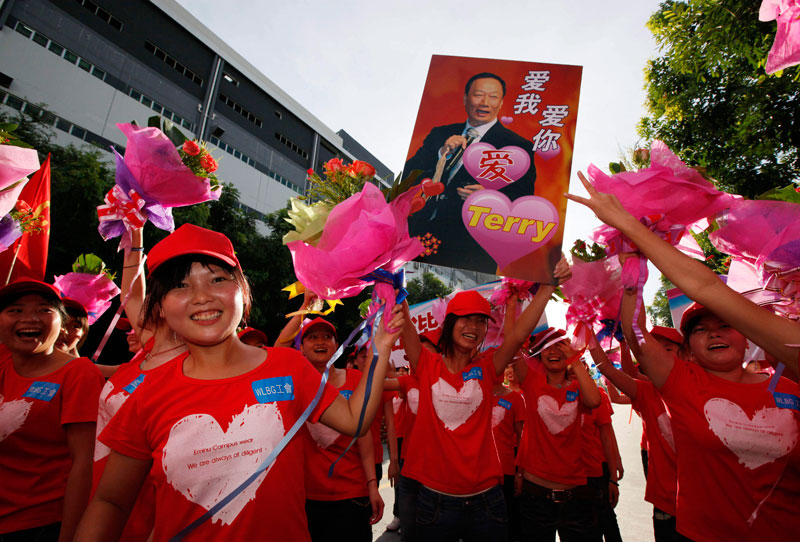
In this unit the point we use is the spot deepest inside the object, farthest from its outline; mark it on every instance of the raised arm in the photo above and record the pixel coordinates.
(766, 329)
(526, 323)
(343, 414)
(622, 381)
(289, 331)
(410, 338)
(130, 267)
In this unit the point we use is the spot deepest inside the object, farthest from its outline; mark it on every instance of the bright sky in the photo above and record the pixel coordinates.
(361, 65)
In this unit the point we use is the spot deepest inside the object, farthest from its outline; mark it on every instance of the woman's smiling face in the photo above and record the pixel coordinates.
(715, 345)
(469, 331)
(205, 307)
(30, 325)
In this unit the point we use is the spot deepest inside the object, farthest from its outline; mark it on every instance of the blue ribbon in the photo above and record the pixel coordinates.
(397, 280)
(290, 434)
(611, 328)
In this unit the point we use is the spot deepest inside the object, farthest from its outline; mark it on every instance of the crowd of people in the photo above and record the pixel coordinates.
(210, 434)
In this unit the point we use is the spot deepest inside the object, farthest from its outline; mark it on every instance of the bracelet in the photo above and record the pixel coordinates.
(372, 480)
(128, 266)
(137, 249)
(613, 482)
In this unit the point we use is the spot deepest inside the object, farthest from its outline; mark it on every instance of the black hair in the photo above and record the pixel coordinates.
(484, 75)
(446, 343)
(57, 303)
(77, 314)
(172, 272)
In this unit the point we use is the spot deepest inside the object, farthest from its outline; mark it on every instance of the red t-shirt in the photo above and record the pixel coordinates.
(125, 380)
(323, 447)
(593, 455)
(662, 476)
(553, 440)
(734, 445)
(452, 447)
(34, 456)
(508, 409)
(206, 437)
(409, 385)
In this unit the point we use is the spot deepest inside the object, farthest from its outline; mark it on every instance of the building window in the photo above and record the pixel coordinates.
(70, 57)
(85, 66)
(104, 15)
(229, 78)
(172, 63)
(22, 29)
(278, 114)
(56, 48)
(291, 145)
(241, 110)
(41, 40)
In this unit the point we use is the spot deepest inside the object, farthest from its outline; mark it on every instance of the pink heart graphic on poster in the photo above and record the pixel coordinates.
(496, 168)
(548, 154)
(508, 230)
(505, 121)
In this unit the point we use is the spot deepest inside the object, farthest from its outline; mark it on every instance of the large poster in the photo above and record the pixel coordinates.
(501, 133)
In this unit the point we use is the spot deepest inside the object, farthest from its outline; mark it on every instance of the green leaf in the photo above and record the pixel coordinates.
(154, 121)
(18, 143)
(88, 263)
(787, 193)
(8, 126)
(616, 167)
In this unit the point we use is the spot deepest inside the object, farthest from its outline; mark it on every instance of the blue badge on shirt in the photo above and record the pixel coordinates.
(346, 393)
(269, 390)
(134, 384)
(476, 373)
(572, 396)
(787, 400)
(504, 403)
(44, 391)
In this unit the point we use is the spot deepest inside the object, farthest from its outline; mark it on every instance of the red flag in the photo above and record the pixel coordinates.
(31, 248)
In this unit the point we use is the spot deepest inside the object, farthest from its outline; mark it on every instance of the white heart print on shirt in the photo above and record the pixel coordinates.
(199, 461)
(12, 415)
(556, 419)
(109, 406)
(665, 426)
(413, 400)
(323, 435)
(498, 413)
(771, 432)
(455, 407)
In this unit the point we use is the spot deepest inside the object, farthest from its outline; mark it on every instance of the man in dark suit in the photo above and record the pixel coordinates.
(441, 216)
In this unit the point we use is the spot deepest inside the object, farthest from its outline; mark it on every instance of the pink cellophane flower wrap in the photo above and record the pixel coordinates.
(16, 164)
(498, 299)
(785, 51)
(594, 293)
(763, 239)
(94, 292)
(362, 234)
(150, 180)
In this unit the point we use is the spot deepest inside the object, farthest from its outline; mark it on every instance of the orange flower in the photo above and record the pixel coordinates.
(361, 168)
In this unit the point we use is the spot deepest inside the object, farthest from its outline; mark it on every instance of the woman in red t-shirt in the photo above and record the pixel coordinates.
(735, 432)
(461, 494)
(204, 427)
(555, 497)
(48, 406)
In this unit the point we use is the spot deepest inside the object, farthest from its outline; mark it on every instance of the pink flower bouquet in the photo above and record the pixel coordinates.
(594, 293)
(151, 179)
(785, 51)
(361, 235)
(16, 163)
(94, 292)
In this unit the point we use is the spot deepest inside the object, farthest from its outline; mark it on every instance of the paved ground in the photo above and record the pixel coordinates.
(634, 515)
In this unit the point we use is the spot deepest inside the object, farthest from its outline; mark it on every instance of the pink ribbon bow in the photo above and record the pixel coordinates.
(122, 206)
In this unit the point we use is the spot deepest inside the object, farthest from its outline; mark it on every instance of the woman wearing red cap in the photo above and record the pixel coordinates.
(736, 434)
(74, 331)
(48, 406)
(461, 494)
(203, 428)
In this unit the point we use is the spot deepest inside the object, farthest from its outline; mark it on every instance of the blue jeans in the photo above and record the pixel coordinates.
(480, 518)
(407, 489)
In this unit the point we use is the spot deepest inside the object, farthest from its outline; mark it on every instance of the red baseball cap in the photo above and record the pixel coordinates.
(469, 302)
(694, 310)
(191, 239)
(251, 331)
(77, 305)
(124, 324)
(318, 321)
(28, 286)
(432, 335)
(669, 333)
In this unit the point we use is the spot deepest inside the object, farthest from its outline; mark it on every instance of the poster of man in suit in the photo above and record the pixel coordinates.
(501, 133)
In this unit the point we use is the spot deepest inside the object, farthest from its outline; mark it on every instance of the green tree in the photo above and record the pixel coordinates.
(710, 101)
(426, 288)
